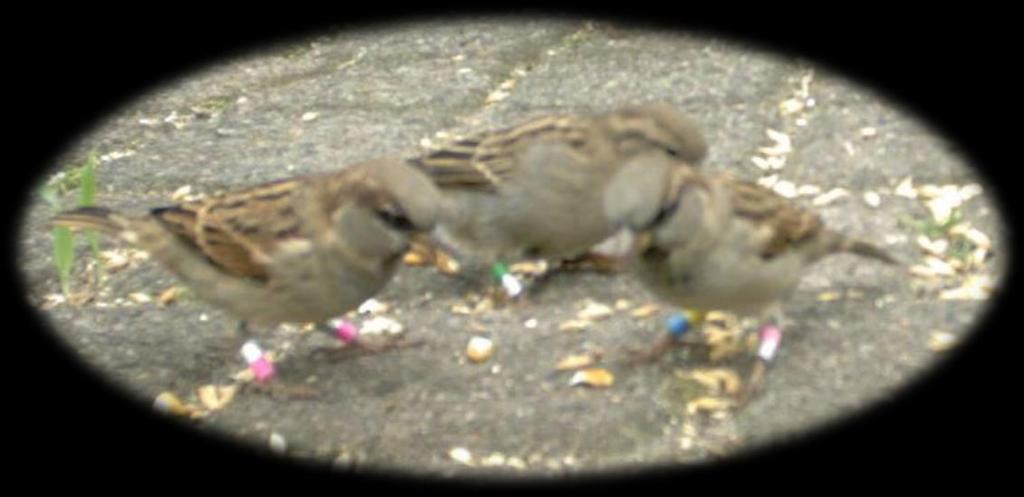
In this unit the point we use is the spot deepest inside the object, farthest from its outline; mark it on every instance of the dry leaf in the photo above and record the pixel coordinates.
(170, 295)
(941, 341)
(171, 404)
(829, 197)
(709, 404)
(594, 377)
(215, 397)
(576, 361)
(644, 311)
(594, 311)
(414, 258)
(445, 263)
(716, 380)
(828, 296)
(574, 325)
(782, 145)
(532, 268)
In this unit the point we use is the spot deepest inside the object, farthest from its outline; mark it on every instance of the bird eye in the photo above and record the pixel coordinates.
(394, 219)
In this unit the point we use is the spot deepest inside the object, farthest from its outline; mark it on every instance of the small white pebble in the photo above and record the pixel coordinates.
(203, 317)
(309, 116)
(868, 132)
(872, 199)
(461, 455)
(277, 443)
(530, 323)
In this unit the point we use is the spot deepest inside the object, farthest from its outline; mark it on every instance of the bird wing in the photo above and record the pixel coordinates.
(485, 160)
(786, 224)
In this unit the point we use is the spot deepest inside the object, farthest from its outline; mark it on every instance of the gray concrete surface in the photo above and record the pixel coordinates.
(381, 91)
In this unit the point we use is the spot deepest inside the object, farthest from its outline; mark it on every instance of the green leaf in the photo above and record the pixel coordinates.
(87, 185)
(49, 195)
(63, 256)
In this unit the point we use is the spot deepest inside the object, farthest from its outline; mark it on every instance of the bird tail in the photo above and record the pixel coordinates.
(95, 218)
(864, 249)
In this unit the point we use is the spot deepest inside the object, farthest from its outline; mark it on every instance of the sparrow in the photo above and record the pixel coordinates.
(534, 190)
(715, 242)
(302, 249)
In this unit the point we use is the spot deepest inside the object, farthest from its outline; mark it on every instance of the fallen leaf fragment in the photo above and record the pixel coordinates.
(215, 397)
(941, 341)
(575, 361)
(594, 311)
(716, 380)
(170, 295)
(574, 325)
(644, 311)
(594, 377)
(170, 403)
(709, 404)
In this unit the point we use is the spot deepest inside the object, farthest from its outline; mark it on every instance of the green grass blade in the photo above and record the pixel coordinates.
(87, 185)
(87, 197)
(63, 256)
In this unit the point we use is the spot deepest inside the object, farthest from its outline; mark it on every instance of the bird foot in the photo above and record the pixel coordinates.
(282, 391)
(361, 347)
(594, 261)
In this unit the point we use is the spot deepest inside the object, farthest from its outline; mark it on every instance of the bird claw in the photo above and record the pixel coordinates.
(594, 261)
(283, 391)
(361, 348)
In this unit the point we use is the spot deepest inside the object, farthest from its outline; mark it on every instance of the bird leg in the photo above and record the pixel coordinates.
(265, 380)
(678, 325)
(352, 346)
(770, 337)
(598, 262)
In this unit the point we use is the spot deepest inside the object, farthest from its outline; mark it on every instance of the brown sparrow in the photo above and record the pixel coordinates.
(715, 242)
(534, 190)
(296, 250)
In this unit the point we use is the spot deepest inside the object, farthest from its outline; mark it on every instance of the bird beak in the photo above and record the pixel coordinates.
(643, 241)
